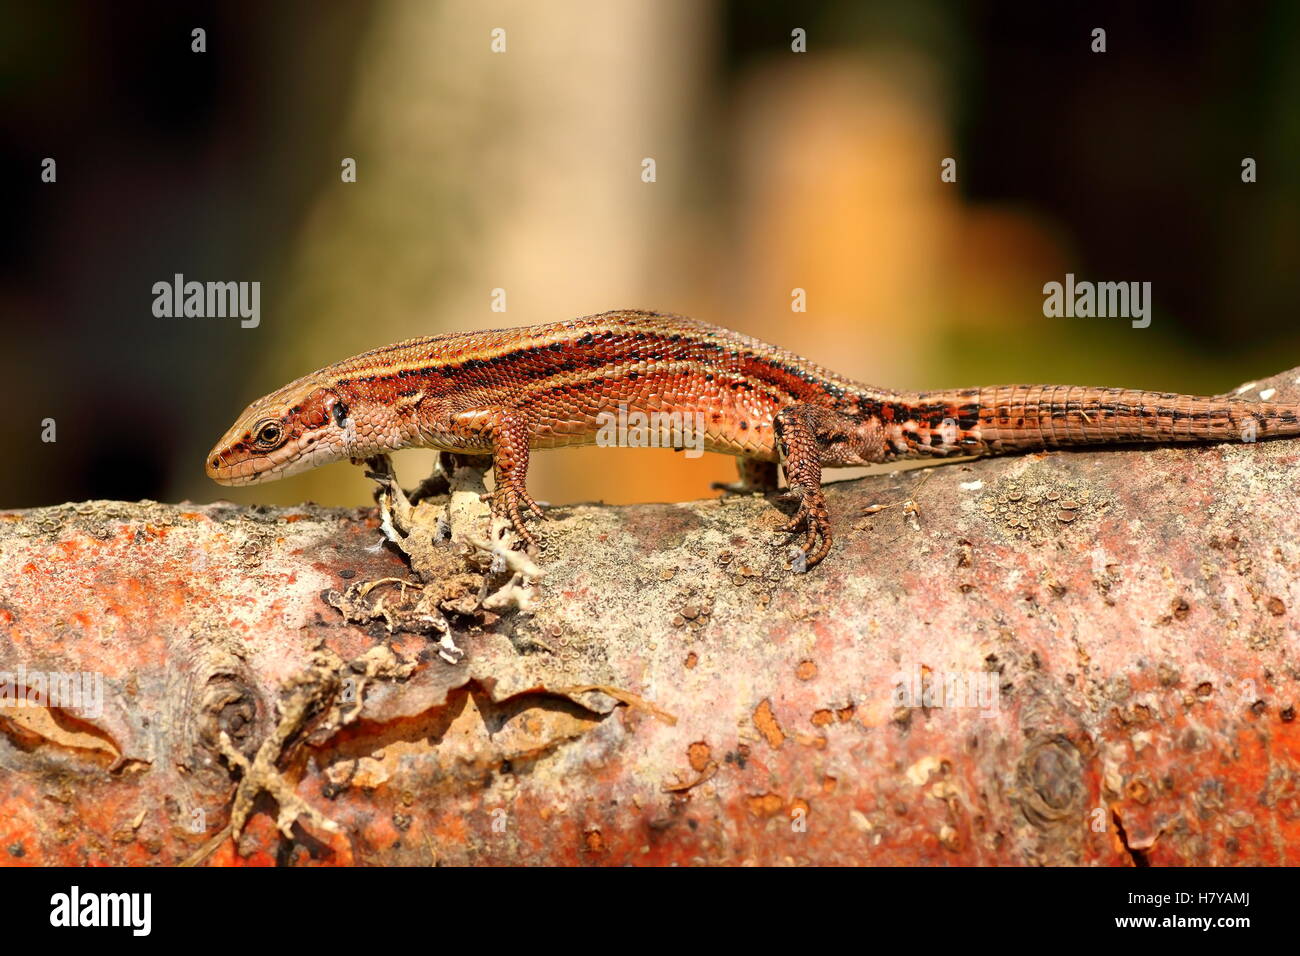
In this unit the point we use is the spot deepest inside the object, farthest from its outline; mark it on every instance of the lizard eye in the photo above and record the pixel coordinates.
(269, 435)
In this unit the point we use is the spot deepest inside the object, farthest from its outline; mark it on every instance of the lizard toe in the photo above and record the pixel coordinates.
(506, 503)
(534, 507)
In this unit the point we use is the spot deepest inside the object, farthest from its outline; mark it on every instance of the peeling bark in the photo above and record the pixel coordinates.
(666, 690)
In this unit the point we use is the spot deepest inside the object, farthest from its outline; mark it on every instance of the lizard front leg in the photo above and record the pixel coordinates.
(506, 433)
(394, 506)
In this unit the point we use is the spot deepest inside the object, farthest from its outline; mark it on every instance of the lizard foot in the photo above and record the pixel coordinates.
(738, 488)
(394, 506)
(813, 520)
(508, 502)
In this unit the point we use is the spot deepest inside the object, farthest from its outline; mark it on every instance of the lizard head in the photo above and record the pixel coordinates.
(296, 428)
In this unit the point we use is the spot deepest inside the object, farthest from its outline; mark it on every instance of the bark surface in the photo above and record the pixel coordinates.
(1064, 658)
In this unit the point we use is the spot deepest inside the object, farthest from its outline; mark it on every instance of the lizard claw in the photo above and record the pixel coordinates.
(813, 519)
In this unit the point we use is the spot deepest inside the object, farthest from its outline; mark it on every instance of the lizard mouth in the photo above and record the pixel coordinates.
(227, 468)
(249, 471)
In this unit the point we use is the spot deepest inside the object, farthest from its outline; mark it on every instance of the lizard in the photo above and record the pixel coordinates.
(506, 392)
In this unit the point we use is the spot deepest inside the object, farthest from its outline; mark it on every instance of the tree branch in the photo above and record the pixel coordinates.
(1080, 657)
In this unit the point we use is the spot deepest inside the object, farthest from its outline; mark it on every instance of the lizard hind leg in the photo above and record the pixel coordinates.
(801, 455)
(809, 436)
(756, 475)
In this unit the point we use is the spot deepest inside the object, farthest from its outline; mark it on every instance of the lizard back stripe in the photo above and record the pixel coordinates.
(622, 338)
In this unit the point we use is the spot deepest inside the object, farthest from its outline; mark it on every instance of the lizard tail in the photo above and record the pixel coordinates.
(1022, 417)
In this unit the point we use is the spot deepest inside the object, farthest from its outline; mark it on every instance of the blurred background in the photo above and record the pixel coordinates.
(521, 170)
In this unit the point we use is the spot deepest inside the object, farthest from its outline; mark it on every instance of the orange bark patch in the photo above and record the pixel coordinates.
(765, 805)
(699, 755)
(767, 725)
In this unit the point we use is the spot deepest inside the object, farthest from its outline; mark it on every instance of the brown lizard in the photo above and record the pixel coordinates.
(505, 392)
